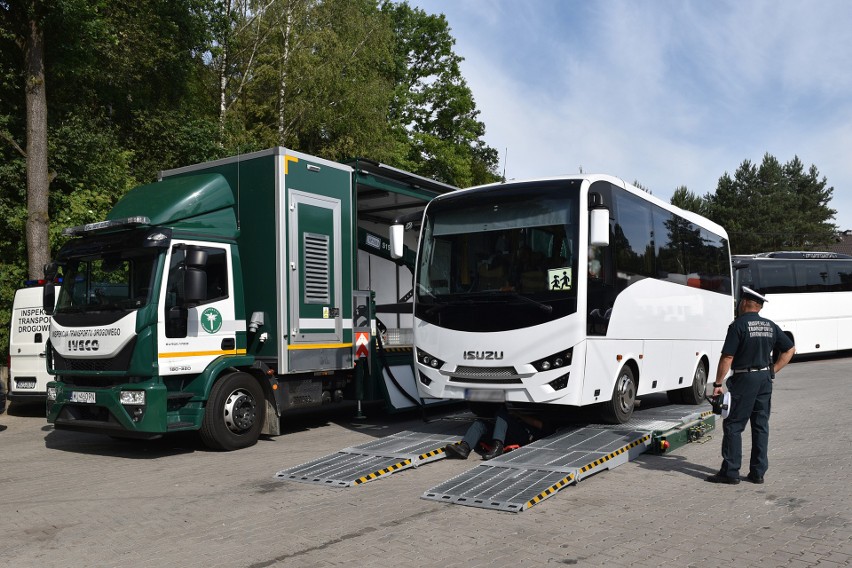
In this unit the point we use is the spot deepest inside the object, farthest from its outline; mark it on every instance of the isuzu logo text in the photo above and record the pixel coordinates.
(483, 355)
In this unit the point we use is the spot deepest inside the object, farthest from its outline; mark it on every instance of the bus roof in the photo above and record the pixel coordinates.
(688, 215)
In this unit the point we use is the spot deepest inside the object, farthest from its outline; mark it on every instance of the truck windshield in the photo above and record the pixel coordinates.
(501, 257)
(117, 282)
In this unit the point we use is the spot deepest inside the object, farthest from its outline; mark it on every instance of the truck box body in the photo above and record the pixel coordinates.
(236, 275)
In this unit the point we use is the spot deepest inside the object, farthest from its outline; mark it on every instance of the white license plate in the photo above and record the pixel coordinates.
(79, 396)
(485, 395)
(25, 384)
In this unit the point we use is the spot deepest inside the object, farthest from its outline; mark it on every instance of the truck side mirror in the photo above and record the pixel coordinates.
(48, 300)
(195, 285)
(396, 238)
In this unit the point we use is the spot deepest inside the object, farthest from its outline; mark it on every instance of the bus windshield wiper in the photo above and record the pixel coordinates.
(527, 300)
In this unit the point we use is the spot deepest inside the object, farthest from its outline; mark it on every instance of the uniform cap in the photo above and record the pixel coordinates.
(749, 294)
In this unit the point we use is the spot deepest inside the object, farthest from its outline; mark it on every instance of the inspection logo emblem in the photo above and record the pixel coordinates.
(211, 320)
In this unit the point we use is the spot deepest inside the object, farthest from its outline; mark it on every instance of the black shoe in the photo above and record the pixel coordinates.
(754, 478)
(720, 478)
(458, 451)
(496, 450)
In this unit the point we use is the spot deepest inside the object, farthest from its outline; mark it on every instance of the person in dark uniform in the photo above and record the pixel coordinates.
(747, 352)
(509, 428)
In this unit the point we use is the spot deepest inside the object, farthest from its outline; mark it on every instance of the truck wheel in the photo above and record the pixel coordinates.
(234, 414)
(620, 408)
(695, 394)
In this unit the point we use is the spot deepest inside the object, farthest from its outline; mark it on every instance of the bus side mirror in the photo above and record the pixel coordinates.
(48, 298)
(599, 227)
(396, 238)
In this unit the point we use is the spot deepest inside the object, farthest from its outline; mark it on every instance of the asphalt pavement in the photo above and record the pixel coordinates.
(73, 500)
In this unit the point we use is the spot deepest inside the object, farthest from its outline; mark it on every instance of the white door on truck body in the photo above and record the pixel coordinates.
(191, 336)
(28, 335)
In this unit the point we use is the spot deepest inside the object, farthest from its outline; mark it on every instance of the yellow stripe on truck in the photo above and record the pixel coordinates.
(321, 346)
(201, 353)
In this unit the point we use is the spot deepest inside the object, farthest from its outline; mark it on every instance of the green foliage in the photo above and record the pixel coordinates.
(773, 207)
(433, 107)
(689, 201)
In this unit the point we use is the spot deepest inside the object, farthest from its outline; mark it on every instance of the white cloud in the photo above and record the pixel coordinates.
(667, 93)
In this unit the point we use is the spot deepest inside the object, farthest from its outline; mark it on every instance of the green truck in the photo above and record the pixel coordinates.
(230, 292)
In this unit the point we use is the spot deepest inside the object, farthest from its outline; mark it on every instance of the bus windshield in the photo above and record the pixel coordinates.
(504, 262)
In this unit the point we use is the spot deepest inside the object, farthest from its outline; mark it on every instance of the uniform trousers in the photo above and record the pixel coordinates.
(751, 401)
(507, 429)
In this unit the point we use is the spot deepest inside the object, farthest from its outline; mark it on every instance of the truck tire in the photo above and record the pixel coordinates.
(234, 415)
(620, 407)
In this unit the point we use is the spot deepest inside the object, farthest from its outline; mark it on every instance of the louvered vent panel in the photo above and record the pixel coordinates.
(317, 281)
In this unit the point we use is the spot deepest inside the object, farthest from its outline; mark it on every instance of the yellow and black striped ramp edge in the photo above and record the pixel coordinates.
(373, 460)
(527, 476)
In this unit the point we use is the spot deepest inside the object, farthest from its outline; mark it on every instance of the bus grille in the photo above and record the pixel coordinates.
(479, 375)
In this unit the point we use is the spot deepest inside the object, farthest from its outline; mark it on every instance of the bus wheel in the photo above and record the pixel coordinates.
(620, 408)
(695, 394)
(234, 414)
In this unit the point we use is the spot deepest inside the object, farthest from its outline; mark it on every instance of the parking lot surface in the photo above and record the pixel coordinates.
(72, 499)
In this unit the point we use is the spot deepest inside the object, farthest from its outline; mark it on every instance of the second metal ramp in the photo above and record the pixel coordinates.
(520, 479)
(369, 461)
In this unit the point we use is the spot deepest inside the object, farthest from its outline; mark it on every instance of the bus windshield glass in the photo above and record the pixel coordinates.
(501, 259)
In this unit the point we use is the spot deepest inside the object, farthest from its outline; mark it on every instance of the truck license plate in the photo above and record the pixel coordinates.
(78, 396)
(485, 395)
(25, 384)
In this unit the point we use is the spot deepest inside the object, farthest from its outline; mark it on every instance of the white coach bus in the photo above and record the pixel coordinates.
(572, 291)
(809, 295)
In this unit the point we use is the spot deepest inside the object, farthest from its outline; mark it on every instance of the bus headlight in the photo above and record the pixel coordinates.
(132, 397)
(561, 359)
(425, 359)
(51, 393)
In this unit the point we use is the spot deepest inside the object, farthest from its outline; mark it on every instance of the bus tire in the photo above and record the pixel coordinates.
(234, 415)
(694, 394)
(620, 407)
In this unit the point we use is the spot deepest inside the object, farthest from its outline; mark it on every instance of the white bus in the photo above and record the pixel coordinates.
(809, 295)
(571, 291)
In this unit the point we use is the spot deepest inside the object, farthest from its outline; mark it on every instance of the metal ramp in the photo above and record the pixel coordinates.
(372, 460)
(520, 479)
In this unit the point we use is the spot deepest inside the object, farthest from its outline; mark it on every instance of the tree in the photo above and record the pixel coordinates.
(306, 74)
(24, 24)
(433, 107)
(688, 201)
(773, 207)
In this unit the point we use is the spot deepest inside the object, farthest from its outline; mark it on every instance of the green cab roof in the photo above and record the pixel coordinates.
(198, 202)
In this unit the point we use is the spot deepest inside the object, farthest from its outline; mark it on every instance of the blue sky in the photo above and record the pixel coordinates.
(667, 93)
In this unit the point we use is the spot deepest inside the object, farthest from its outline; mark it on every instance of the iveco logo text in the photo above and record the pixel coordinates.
(83, 345)
(483, 355)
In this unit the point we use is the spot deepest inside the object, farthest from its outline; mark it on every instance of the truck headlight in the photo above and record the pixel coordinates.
(132, 397)
(51, 393)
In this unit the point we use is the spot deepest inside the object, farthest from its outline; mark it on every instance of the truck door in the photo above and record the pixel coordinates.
(194, 332)
(316, 274)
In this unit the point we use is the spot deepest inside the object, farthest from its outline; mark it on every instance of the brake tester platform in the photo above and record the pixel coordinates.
(517, 480)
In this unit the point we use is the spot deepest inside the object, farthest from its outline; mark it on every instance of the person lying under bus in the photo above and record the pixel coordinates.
(509, 428)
